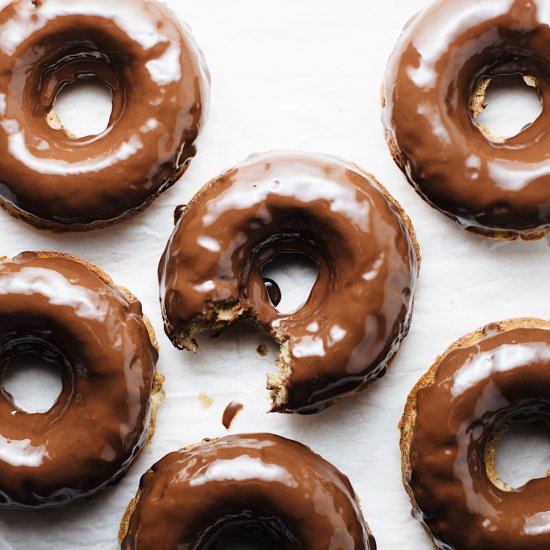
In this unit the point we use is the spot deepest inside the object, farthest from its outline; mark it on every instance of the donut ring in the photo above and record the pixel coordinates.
(450, 431)
(72, 314)
(434, 88)
(359, 309)
(158, 81)
(263, 485)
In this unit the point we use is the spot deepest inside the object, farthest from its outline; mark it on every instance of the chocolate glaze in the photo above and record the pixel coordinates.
(61, 309)
(230, 413)
(277, 488)
(288, 202)
(478, 388)
(273, 291)
(159, 83)
(442, 56)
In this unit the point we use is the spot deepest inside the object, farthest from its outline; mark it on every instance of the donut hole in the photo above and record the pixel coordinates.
(519, 453)
(289, 279)
(239, 539)
(249, 534)
(31, 379)
(82, 108)
(505, 105)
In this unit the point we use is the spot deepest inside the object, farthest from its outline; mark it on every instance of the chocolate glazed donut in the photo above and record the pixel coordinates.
(72, 315)
(159, 84)
(259, 486)
(359, 309)
(434, 88)
(453, 421)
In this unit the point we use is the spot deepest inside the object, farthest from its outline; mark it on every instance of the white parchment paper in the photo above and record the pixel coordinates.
(292, 74)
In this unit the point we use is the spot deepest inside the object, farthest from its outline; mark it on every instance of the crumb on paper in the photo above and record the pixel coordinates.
(262, 350)
(206, 400)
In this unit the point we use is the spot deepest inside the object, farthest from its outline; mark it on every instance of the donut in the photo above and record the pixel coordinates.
(450, 432)
(260, 486)
(363, 244)
(71, 313)
(434, 89)
(159, 84)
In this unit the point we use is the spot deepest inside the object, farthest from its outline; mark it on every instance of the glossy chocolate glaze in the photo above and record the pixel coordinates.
(273, 291)
(277, 488)
(230, 413)
(159, 83)
(500, 189)
(478, 388)
(61, 309)
(359, 309)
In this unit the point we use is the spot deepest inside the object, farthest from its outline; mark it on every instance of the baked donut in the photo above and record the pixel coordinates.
(450, 432)
(363, 244)
(434, 89)
(71, 313)
(259, 486)
(159, 83)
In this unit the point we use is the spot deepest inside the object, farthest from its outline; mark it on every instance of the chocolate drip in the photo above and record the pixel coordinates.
(273, 290)
(230, 413)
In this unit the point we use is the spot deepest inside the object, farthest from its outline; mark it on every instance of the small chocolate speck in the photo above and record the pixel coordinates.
(231, 411)
(262, 350)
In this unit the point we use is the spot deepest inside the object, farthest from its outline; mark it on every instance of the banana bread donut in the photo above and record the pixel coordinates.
(363, 244)
(259, 486)
(434, 89)
(159, 84)
(71, 313)
(450, 431)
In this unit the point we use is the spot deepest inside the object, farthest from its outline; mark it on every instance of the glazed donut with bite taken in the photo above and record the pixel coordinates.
(257, 487)
(450, 431)
(363, 244)
(434, 90)
(159, 85)
(71, 315)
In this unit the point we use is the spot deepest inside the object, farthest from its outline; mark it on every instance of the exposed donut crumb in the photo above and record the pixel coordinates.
(55, 124)
(206, 400)
(223, 316)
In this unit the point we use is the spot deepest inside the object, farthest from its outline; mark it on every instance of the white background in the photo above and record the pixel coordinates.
(292, 74)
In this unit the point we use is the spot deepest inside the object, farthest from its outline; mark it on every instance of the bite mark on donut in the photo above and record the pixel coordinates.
(221, 316)
(224, 315)
(277, 382)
